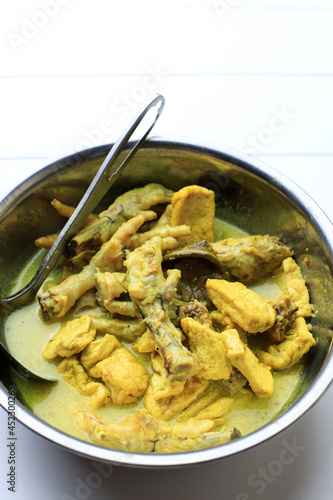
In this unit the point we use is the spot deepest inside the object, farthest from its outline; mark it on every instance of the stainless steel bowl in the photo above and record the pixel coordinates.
(248, 193)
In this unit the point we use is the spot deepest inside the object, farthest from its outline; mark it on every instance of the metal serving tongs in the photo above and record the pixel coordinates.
(103, 180)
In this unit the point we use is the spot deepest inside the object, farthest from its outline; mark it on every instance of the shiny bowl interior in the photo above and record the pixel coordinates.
(248, 193)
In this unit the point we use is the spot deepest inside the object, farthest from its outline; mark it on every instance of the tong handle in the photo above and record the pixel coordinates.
(103, 180)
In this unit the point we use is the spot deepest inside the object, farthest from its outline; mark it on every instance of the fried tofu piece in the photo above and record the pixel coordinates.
(73, 373)
(126, 379)
(241, 357)
(209, 348)
(244, 306)
(252, 258)
(297, 343)
(96, 351)
(195, 207)
(117, 367)
(296, 289)
(165, 398)
(71, 338)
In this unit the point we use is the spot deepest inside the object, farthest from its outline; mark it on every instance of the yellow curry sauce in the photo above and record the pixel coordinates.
(27, 335)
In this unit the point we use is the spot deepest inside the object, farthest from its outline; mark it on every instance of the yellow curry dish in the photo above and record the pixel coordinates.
(168, 329)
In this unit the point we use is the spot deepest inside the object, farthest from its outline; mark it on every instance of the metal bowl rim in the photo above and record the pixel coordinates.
(290, 416)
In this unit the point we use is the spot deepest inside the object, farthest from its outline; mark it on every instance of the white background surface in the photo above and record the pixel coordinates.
(251, 74)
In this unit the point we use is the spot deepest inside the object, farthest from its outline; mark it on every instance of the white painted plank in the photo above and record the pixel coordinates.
(181, 41)
(259, 115)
